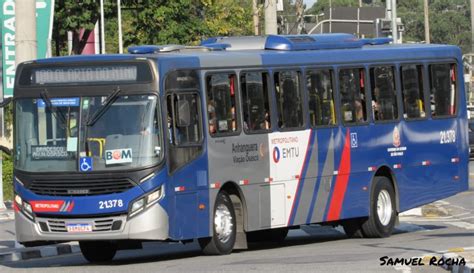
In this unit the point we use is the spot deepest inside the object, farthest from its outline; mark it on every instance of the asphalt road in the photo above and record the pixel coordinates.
(311, 249)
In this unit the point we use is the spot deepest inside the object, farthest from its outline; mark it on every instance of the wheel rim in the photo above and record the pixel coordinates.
(223, 223)
(384, 207)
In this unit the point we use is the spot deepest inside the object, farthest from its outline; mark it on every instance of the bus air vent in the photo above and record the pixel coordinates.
(80, 187)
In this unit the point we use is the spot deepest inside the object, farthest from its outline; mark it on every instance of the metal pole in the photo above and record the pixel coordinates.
(472, 29)
(427, 21)
(330, 16)
(358, 22)
(102, 22)
(394, 22)
(256, 19)
(270, 17)
(119, 15)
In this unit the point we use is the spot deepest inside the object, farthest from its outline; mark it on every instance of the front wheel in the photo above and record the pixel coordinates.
(98, 251)
(224, 228)
(382, 217)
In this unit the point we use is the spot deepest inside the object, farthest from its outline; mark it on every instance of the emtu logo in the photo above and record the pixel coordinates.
(276, 154)
(118, 156)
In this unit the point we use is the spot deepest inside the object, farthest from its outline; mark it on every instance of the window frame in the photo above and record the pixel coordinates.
(270, 102)
(425, 90)
(333, 73)
(456, 99)
(397, 86)
(191, 91)
(304, 109)
(366, 93)
(237, 103)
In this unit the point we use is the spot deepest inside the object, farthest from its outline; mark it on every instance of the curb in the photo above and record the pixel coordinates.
(7, 215)
(42, 252)
(468, 268)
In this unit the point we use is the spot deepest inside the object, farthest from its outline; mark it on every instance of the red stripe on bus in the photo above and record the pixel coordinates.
(300, 176)
(341, 182)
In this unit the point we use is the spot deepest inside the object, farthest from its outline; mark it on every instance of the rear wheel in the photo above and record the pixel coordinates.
(224, 228)
(382, 217)
(98, 251)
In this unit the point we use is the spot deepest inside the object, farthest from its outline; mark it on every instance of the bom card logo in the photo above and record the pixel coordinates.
(118, 156)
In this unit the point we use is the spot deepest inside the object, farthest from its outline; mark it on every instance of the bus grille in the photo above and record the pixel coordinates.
(98, 225)
(80, 187)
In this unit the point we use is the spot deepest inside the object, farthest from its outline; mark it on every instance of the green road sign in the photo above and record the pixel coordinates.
(44, 25)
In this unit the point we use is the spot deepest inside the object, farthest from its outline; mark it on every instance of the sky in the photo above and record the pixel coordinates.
(309, 3)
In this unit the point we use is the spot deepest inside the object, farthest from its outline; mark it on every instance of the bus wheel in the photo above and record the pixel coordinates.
(98, 251)
(382, 210)
(224, 228)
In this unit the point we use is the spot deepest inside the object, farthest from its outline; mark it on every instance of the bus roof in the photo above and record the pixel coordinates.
(274, 50)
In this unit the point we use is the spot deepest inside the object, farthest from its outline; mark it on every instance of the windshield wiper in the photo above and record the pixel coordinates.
(58, 114)
(108, 102)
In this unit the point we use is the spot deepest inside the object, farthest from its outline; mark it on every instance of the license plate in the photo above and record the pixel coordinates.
(79, 227)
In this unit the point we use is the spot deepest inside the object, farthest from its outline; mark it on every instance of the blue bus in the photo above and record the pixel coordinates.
(236, 140)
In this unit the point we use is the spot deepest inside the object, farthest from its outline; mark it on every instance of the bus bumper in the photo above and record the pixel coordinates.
(151, 224)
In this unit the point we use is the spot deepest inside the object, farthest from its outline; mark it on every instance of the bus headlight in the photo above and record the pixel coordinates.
(24, 207)
(137, 206)
(154, 196)
(146, 201)
(19, 201)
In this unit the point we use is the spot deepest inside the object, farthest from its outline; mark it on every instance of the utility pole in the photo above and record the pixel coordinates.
(394, 22)
(256, 18)
(270, 17)
(427, 21)
(102, 23)
(25, 37)
(299, 15)
(472, 28)
(119, 18)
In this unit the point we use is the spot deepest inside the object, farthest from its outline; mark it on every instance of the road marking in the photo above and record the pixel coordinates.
(461, 224)
(403, 268)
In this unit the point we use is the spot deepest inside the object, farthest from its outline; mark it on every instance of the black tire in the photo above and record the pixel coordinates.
(375, 227)
(269, 235)
(353, 228)
(98, 251)
(217, 245)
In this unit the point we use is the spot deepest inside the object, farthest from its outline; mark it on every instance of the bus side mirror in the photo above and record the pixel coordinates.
(5, 150)
(5, 102)
(184, 115)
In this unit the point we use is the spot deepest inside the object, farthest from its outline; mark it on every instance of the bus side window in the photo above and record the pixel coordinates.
(289, 100)
(221, 103)
(442, 90)
(352, 90)
(384, 94)
(256, 105)
(321, 98)
(412, 91)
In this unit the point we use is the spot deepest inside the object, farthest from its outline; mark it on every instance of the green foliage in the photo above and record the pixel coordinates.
(7, 176)
(8, 119)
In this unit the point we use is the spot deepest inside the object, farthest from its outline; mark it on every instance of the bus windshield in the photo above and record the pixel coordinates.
(57, 135)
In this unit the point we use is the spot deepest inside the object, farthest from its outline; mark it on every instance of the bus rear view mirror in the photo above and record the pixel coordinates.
(6, 150)
(184, 115)
(5, 102)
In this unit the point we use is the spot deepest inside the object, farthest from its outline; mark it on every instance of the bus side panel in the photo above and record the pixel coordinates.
(244, 161)
(188, 188)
